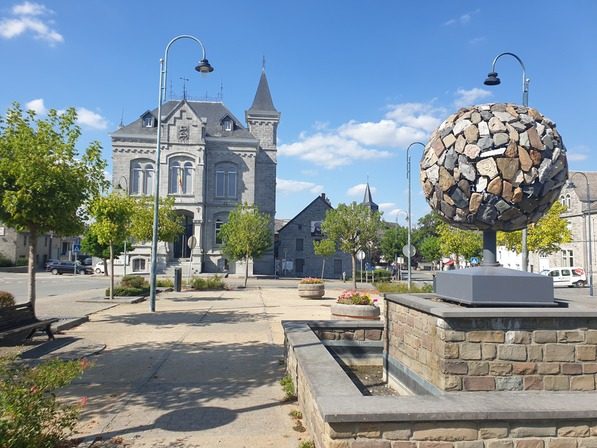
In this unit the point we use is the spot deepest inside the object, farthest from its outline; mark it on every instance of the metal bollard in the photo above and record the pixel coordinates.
(177, 279)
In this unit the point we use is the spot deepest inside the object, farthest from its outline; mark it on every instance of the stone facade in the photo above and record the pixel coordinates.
(494, 166)
(209, 163)
(294, 246)
(495, 353)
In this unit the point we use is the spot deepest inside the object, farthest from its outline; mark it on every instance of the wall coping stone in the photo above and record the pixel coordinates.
(339, 400)
(432, 304)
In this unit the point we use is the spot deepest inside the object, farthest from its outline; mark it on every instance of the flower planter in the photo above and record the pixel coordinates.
(311, 290)
(362, 312)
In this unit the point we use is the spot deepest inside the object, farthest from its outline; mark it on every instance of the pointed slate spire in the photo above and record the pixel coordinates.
(263, 104)
(368, 199)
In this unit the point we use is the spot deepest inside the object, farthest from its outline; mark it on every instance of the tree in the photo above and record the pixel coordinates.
(468, 243)
(324, 248)
(392, 241)
(352, 227)
(45, 183)
(246, 235)
(545, 237)
(113, 215)
(90, 245)
(430, 248)
(169, 226)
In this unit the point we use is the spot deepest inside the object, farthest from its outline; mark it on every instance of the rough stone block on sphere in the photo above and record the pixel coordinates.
(529, 443)
(485, 336)
(574, 431)
(557, 382)
(470, 351)
(567, 336)
(488, 351)
(586, 352)
(536, 430)
(561, 442)
(512, 352)
(508, 383)
(571, 368)
(444, 432)
(499, 443)
(544, 336)
(478, 383)
(582, 382)
(558, 352)
(518, 337)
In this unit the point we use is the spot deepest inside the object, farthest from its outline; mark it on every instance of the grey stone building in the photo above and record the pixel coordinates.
(294, 246)
(209, 163)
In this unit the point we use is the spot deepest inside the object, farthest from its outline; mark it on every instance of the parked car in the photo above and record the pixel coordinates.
(52, 260)
(569, 277)
(99, 267)
(68, 267)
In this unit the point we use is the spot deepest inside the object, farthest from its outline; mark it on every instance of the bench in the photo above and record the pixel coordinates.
(18, 323)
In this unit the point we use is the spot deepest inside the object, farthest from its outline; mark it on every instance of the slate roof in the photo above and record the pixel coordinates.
(322, 197)
(263, 103)
(368, 199)
(214, 112)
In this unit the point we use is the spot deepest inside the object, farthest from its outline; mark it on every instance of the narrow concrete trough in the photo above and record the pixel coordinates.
(429, 415)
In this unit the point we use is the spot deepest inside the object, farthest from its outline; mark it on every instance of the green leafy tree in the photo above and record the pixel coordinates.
(169, 223)
(44, 181)
(353, 227)
(392, 242)
(467, 243)
(113, 215)
(90, 245)
(545, 237)
(246, 235)
(324, 248)
(430, 248)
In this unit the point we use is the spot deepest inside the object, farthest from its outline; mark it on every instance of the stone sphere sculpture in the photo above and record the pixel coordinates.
(494, 166)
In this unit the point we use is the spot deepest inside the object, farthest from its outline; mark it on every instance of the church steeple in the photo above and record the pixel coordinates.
(262, 117)
(368, 199)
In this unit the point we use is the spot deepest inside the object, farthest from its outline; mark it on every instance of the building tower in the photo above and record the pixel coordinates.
(368, 200)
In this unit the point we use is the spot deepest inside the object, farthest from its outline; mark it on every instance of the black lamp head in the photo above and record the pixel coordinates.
(204, 66)
(492, 79)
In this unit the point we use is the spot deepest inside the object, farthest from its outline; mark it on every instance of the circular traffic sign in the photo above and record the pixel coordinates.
(192, 242)
(360, 255)
(409, 251)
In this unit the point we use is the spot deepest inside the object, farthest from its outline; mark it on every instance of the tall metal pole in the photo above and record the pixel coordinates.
(409, 214)
(156, 202)
(525, 103)
(126, 189)
(589, 229)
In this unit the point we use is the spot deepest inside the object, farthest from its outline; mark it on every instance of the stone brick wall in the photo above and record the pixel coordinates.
(349, 334)
(502, 354)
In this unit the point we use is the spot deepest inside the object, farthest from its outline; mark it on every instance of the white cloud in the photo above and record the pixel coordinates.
(359, 190)
(573, 156)
(353, 141)
(464, 19)
(295, 186)
(391, 211)
(477, 40)
(37, 106)
(90, 119)
(470, 97)
(26, 19)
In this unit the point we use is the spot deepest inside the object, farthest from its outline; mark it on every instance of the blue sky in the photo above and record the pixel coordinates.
(356, 81)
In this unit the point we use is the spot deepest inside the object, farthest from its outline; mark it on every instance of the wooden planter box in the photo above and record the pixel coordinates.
(362, 312)
(311, 290)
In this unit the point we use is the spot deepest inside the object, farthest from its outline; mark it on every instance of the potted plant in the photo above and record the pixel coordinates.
(353, 304)
(311, 288)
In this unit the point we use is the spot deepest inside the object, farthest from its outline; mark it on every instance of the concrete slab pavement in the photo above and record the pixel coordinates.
(202, 371)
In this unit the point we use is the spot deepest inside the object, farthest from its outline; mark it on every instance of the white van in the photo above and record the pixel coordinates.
(567, 276)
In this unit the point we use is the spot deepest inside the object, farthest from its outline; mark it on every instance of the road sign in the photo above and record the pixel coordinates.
(192, 242)
(474, 260)
(409, 252)
(76, 248)
(360, 255)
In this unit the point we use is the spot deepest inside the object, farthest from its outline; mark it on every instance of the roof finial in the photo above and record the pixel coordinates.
(263, 64)
(184, 87)
(121, 125)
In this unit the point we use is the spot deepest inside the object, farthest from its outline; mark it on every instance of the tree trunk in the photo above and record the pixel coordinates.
(246, 271)
(322, 268)
(105, 267)
(111, 271)
(31, 266)
(354, 271)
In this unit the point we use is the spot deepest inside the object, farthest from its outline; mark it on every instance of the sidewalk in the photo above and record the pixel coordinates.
(202, 371)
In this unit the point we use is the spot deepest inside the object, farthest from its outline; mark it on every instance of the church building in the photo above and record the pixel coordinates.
(210, 162)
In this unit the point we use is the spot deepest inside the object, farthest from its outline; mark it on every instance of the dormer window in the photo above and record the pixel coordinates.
(148, 121)
(227, 124)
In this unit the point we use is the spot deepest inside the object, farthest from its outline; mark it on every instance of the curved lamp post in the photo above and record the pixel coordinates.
(589, 230)
(409, 216)
(493, 80)
(202, 67)
(123, 180)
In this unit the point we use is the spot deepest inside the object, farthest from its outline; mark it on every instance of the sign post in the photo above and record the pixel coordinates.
(192, 243)
(361, 257)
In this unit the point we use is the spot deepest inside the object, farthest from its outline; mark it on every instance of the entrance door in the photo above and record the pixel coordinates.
(181, 249)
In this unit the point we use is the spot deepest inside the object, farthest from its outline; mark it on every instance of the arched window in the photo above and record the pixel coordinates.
(226, 181)
(180, 176)
(568, 201)
(142, 177)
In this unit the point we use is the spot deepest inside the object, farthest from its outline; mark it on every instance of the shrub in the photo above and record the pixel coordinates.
(354, 298)
(4, 261)
(21, 261)
(288, 388)
(128, 291)
(134, 281)
(311, 281)
(307, 444)
(30, 415)
(382, 275)
(6, 299)
(402, 287)
(165, 283)
(202, 284)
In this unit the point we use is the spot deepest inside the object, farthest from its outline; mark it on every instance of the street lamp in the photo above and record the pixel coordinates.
(590, 227)
(493, 80)
(126, 191)
(202, 67)
(409, 214)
